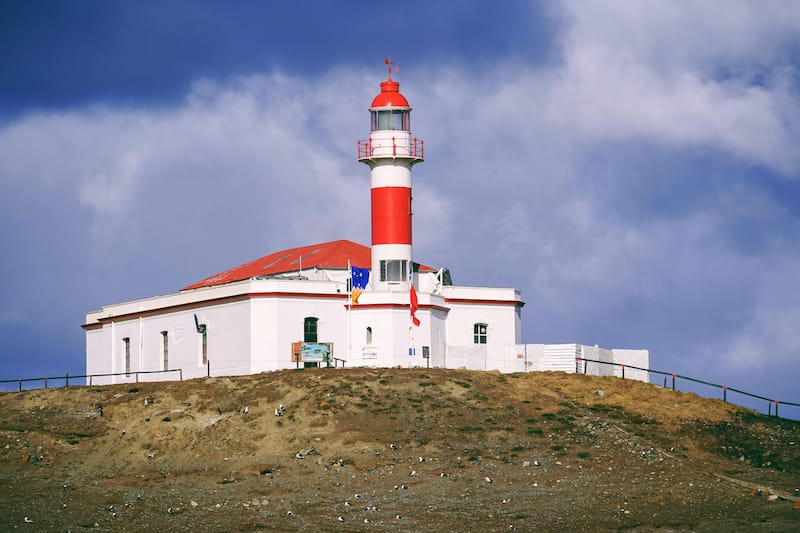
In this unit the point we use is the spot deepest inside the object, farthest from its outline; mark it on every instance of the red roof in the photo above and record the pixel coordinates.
(334, 254)
(390, 95)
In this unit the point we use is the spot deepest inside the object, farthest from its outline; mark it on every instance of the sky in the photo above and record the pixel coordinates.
(632, 167)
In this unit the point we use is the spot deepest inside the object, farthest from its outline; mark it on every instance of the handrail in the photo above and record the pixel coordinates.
(675, 376)
(91, 376)
(411, 149)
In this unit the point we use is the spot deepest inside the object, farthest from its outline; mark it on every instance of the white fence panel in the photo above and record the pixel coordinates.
(470, 356)
(559, 357)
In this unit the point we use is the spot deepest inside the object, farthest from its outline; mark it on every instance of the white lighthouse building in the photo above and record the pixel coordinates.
(334, 304)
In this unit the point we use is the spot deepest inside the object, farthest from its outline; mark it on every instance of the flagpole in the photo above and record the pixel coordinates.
(410, 311)
(349, 307)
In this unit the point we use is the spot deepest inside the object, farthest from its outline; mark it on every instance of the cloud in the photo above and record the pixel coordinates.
(714, 74)
(630, 188)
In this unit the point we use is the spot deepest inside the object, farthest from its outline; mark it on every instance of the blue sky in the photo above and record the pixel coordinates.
(632, 167)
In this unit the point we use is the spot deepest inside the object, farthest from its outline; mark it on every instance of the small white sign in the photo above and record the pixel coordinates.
(369, 352)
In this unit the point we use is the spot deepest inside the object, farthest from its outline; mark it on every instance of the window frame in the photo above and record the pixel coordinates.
(311, 329)
(204, 347)
(127, 342)
(480, 333)
(165, 349)
(390, 120)
(385, 267)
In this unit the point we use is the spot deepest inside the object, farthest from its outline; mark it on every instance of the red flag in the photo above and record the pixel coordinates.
(414, 305)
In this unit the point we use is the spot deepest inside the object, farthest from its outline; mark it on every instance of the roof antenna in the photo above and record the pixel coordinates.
(390, 67)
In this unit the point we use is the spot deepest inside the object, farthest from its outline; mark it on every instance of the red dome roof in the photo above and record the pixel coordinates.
(390, 95)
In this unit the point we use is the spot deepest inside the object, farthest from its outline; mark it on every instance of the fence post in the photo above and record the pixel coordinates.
(67, 377)
(180, 372)
(208, 368)
(725, 393)
(45, 382)
(90, 380)
(137, 376)
(673, 381)
(623, 371)
(776, 408)
(20, 385)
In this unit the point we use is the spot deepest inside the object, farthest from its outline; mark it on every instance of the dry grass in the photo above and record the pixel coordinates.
(563, 455)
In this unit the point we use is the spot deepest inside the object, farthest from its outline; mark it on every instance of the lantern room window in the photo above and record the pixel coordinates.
(391, 119)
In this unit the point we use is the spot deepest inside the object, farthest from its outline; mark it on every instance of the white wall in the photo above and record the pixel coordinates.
(496, 307)
(251, 326)
(96, 343)
(638, 358)
(546, 357)
(228, 343)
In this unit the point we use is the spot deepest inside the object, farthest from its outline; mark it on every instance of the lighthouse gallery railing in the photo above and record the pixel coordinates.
(413, 148)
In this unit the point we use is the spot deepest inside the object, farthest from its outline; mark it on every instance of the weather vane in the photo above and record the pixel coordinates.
(390, 67)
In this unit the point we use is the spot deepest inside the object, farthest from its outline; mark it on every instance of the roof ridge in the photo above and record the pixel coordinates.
(336, 254)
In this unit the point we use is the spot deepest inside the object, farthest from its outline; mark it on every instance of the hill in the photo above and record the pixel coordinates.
(393, 450)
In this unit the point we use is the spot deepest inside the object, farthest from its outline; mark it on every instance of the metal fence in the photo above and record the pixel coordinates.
(675, 377)
(667, 375)
(65, 378)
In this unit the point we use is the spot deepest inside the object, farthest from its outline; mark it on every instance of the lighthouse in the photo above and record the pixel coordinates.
(295, 308)
(390, 152)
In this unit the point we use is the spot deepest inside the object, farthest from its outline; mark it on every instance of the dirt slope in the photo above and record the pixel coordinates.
(393, 450)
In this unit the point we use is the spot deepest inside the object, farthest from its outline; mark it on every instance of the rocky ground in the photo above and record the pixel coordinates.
(393, 450)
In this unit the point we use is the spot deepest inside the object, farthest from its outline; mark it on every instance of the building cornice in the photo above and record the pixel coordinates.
(477, 301)
(206, 303)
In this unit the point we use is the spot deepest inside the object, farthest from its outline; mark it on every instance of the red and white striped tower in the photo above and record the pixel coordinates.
(390, 153)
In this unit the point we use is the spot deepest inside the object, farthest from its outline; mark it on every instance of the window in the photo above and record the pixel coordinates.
(479, 332)
(310, 329)
(127, 342)
(391, 119)
(204, 346)
(394, 270)
(165, 349)
(369, 335)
